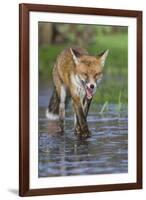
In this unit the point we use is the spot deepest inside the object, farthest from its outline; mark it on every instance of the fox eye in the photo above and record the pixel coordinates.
(98, 75)
(85, 75)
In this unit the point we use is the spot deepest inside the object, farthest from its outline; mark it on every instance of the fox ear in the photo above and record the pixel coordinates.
(74, 56)
(102, 57)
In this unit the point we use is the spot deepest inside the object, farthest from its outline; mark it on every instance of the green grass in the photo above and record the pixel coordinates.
(113, 88)
(104, 107)
(118, 51)
(47, 58)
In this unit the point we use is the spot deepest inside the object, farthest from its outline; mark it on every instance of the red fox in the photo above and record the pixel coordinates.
(76, 75)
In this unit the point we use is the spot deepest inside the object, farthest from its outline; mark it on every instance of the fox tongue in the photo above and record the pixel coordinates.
(89, 93)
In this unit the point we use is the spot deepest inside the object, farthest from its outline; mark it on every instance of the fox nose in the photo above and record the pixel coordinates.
(92, 86)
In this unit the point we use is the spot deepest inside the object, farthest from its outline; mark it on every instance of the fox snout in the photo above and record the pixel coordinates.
(91, 85)
(90, 89)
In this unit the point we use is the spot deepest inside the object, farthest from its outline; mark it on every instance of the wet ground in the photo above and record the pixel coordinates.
(105, 152)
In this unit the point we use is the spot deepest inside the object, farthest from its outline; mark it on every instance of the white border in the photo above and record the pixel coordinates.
(50, 182)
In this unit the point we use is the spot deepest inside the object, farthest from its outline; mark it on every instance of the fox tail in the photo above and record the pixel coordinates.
(52, 112)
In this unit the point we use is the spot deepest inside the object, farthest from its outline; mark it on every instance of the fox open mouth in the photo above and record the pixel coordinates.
(89, 92)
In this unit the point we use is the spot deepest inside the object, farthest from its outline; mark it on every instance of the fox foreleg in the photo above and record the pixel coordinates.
(85, 106)
(81, 121)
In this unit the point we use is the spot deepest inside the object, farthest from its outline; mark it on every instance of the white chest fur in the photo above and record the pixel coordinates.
(79, 89)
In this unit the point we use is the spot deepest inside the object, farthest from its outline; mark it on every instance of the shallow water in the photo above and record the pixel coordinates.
(105, 152)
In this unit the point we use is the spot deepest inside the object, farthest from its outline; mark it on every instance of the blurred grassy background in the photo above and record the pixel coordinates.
(55, 37)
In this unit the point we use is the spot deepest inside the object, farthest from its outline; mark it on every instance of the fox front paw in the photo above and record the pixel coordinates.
(61, 124)
(82, 134)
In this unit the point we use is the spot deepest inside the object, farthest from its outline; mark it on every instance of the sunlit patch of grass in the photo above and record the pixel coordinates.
(104, 107)
(119, 102)
(118, 108)
(110, 88)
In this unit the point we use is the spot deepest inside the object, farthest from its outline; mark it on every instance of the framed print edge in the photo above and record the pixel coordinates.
(139, 99)
(23, 100)
(24, 149)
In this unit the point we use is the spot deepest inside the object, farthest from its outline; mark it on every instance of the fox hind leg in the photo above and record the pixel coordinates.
(62, 106)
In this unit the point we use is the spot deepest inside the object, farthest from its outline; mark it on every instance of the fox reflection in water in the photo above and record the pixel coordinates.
(54, 128)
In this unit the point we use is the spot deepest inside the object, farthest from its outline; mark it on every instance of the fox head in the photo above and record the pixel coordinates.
(89, 70)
